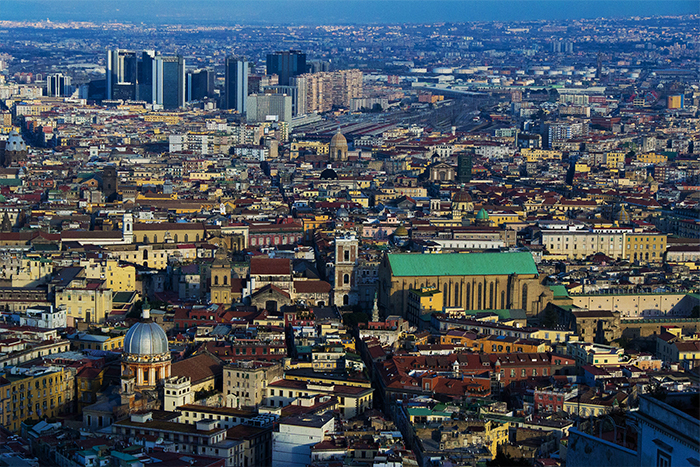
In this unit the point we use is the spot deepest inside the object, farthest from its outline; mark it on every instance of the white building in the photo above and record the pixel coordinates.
(46, 317)
(291, 445)
(269, 107)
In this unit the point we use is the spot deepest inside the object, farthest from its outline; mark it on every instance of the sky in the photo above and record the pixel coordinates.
(333, 11)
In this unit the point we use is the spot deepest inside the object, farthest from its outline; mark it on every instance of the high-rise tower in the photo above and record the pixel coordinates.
(169, 81)
(122, 74)
(236, 84)
(56, 84)
(286, 65)
(145, 74)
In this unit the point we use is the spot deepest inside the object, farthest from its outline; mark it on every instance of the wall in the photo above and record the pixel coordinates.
(585, 450)
(632, 306)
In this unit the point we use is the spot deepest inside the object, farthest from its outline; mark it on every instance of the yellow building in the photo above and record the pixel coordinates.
(536, 155)
(89, 301)
(615, 160)
(162, 118)
(317, 146)
(412, 191)
(499, 217)
(652, 158)
(674, 102)
(33, 395)
(84, 341)
(118, 277)
(88, 383)
(31, 272)
(645, 246)
(176, 231)
(423, 302)
(581, 167)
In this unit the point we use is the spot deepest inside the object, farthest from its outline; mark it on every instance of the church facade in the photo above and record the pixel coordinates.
(470, 281)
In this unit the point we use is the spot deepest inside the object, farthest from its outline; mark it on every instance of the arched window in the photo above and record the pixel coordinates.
(197, 238)
(346, 299)
(175, 238)
(478, 298)
(346, 279)
(145, 239)
(457, 297)
(444, 294)
(491, 298)
(503, 300)
(216, 280)
(145, 254)
(524, 296)
(225, 280)
(468, 303)
(155, 238)
(186, 237)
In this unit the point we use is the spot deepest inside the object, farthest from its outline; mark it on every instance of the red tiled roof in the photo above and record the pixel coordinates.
(312, 286)
(199, 368)
(270, 266)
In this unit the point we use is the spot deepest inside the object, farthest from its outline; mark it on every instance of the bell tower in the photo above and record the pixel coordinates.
(220, 286)
(128, 228)
(346, 257)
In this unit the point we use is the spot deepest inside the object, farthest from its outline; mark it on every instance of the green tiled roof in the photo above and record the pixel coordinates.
(462, 264)
(423, 412)
(559, 291)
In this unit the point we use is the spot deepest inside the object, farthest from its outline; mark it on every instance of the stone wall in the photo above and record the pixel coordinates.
(585, 450)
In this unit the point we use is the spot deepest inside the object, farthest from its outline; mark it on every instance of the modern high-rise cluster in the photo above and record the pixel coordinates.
(151, 77)
(291, 86)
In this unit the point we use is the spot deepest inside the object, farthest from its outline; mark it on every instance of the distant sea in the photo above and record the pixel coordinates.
(333, 11)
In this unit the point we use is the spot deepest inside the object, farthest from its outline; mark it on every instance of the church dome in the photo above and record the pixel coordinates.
(146, 338)
(622, 216)
(329, 174)
(15, 143)
(401, 231)
(339, 140)
(342, 213)
(462, 196)
(482, 215)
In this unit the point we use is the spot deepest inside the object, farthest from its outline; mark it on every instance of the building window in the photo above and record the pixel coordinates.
(478, 298)
(663, 459)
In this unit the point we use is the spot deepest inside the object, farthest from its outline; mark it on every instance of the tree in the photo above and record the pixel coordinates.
(695, 312)
(136, 310)
(505, 460)
(6, 224)
(550, 319)
(355, 318)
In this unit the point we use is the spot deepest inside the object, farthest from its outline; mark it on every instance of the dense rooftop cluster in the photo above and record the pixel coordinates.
(482, 245)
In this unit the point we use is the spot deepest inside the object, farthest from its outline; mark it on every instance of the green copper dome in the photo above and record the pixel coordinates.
(482, 215)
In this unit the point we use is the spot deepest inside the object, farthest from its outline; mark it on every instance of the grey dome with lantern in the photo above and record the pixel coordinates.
(146, 337)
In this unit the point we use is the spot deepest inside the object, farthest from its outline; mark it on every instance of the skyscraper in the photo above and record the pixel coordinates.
(122, 74)
(236, 84)
(200, 84)
(145, 76)
(286, 65)
(56, 84)
(169, 81)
